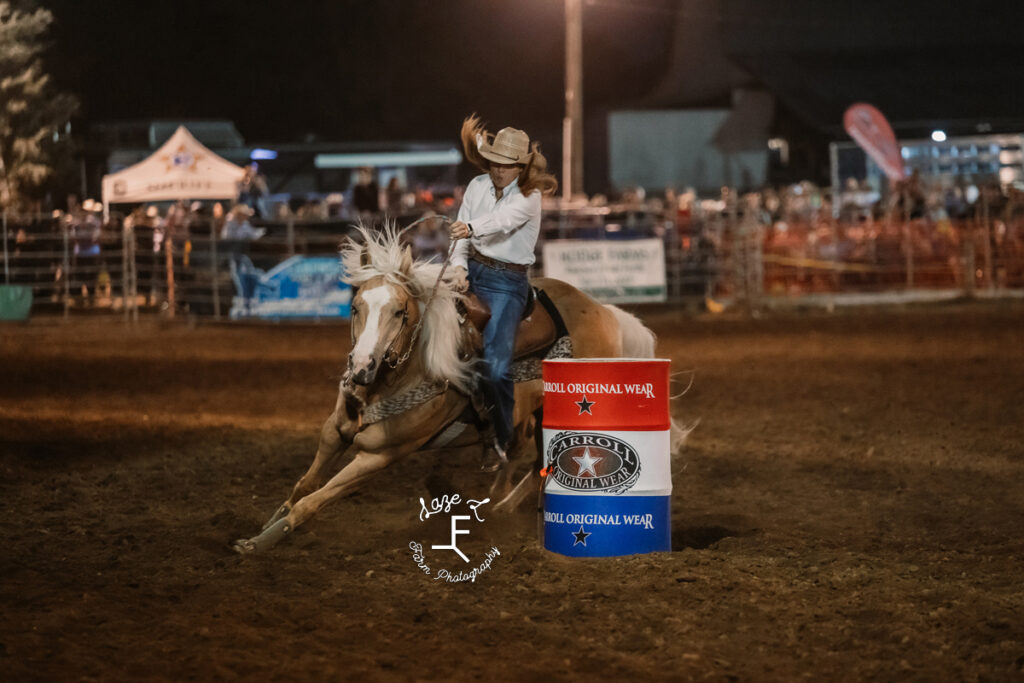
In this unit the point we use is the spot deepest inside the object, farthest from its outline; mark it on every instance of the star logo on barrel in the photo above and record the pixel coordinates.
(586, 463)
(581, 537)
(585, 405)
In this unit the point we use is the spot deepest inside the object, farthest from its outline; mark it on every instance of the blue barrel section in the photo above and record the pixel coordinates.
(604, 526)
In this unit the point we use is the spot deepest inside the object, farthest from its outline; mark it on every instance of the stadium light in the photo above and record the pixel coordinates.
(939, 135)
(263, 154)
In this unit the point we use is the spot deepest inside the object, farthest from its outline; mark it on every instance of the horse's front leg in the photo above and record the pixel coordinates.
(362, 467)
(330, 449)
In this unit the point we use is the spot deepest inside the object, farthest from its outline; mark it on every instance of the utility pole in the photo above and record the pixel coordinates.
(572, 126)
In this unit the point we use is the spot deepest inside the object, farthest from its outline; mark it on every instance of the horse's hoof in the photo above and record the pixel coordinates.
(281, 513)
(244, 546)
(270, 537)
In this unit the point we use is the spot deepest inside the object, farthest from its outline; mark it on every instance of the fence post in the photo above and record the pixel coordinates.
(126, 228)
(134, 263)
(213, 269)
(291, 235)
(968, 250)
(908, 240)
(169, 258)
(987, 246)
(7, 268)
(67, 268)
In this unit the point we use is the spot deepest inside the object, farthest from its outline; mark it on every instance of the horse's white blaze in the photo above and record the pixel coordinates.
(374, 299)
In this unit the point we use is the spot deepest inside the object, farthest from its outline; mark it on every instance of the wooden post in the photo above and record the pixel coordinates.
(169, 251)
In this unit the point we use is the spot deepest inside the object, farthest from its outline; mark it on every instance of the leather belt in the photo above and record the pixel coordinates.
(496, 264)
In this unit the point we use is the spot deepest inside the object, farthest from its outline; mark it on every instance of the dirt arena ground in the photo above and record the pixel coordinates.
(851, 507)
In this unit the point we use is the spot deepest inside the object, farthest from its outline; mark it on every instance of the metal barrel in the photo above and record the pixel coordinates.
(608, 479)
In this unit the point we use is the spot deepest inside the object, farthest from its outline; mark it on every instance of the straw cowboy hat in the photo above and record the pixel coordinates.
(510, 146)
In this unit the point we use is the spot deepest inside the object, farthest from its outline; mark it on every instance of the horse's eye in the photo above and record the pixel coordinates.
(355, 311)
(399, 313)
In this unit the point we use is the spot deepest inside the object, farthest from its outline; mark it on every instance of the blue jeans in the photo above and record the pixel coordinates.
(504, 291)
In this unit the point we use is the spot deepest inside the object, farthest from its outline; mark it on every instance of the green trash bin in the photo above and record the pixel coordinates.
(15, 302)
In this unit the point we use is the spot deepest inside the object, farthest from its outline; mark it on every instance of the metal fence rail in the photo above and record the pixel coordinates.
(729, 255)
(70, 267)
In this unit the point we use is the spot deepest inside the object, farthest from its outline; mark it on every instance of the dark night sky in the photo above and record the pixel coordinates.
(405, 70)
(348, 71)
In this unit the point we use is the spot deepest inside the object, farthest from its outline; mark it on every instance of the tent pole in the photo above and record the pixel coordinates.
(213, 268)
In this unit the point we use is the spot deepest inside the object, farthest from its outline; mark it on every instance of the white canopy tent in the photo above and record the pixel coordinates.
(183, 168)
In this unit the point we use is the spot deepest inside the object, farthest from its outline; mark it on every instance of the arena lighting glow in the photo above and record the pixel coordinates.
(448, 157)
(263, 154)
(939, 135)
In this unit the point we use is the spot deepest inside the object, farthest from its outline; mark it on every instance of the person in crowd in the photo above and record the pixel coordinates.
(429, 242)
(252, 190)
(366, 194)
(237, 233)
(85, 234)
(498, 224)
(393, 194)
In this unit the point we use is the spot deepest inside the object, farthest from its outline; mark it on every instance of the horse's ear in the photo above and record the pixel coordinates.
(405, 266)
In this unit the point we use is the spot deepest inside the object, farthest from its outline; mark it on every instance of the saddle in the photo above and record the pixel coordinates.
(539, 328)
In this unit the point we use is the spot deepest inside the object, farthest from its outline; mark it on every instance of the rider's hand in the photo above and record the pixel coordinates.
(459, 230)
(457, 279)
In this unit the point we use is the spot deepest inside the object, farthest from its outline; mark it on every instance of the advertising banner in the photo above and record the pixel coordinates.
(613, 271)
(872, 131)
(300, 287)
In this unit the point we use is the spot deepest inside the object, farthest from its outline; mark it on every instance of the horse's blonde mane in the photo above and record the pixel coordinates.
(381, 254)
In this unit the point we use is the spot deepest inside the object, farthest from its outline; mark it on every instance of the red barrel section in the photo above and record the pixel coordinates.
(606, 394)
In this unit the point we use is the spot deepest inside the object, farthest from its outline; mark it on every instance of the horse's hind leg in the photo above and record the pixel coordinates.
(330, 449)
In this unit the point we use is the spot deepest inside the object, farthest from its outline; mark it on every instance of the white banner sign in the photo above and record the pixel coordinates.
(613, 271)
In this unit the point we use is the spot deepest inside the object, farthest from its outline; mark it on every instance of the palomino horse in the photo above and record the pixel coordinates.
(410, 374)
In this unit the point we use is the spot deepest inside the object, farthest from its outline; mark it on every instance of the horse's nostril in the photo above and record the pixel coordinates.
(372, 365)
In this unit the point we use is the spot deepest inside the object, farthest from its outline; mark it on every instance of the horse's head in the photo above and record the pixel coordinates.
(384, 315)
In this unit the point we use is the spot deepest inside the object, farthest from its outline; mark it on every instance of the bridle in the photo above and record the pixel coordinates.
(391, 357)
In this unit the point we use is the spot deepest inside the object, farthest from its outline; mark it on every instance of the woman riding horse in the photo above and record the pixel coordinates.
(410, 375)
(498, 225)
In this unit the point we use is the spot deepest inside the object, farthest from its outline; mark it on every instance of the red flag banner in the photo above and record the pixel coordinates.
(868, 127)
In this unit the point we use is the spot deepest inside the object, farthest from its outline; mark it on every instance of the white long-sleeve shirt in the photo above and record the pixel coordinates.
(505, 229)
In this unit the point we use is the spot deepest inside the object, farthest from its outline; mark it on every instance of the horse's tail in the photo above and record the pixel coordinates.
(638, 341)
